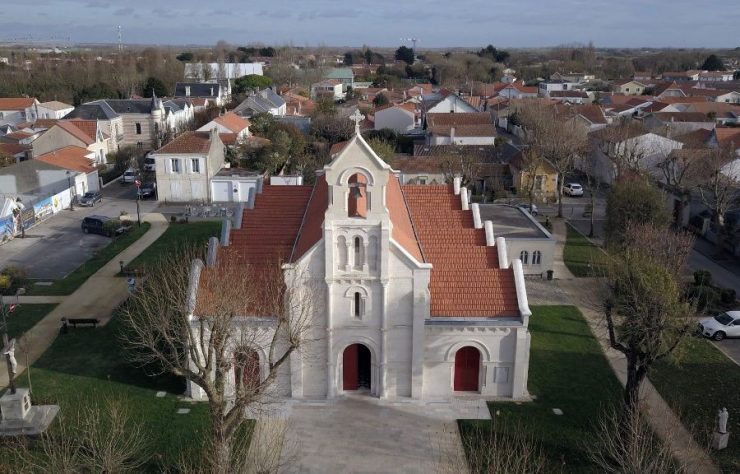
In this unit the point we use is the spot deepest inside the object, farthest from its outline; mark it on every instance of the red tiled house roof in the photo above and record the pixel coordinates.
(466, 280)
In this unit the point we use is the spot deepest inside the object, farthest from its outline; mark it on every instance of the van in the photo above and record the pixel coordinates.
(149, 163)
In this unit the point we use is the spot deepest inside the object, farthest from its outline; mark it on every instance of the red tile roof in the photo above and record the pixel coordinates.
(75, 131)
(311, 231)
(466, 280)
(16, 103)
(13, 148)
(403, 229)
(88, 127)
(233, 122)
(69, 157)
(188, 142)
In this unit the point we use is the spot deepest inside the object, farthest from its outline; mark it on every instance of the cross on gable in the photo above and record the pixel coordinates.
(357, 117)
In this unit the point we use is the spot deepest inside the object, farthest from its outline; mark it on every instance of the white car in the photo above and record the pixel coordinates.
(525, 207)
(573, 189)
(129, 176)
(721, 326)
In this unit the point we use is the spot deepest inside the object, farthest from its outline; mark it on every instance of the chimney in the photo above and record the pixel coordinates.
(211, 91)
(187, 91)
(456, 183)
(452, 135)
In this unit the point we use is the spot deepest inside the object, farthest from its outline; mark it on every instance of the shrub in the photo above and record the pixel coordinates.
(704, 297)
(702, 278)
(11, 278)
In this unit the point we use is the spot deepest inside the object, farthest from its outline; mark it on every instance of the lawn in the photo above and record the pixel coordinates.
(25, 317)
(697, 383)
(582, 257)
(88, 364)
(177, 235)
(568, 371)
(71, 282)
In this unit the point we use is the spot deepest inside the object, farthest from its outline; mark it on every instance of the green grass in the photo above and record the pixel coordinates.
(25, 317)
(698, 382)
(89, 364)
(195, 233)
(71, 282)
(567, 370)
(582, 257)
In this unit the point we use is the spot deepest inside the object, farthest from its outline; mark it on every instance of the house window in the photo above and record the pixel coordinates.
(195, 163)
(536, 257)
(138, 128)
(175, 164)
(524, 257)
(422, 180)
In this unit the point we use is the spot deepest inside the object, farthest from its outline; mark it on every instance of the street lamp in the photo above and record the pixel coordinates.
(71, 194)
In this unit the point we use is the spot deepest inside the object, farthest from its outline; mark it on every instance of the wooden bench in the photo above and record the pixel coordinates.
(74, 322)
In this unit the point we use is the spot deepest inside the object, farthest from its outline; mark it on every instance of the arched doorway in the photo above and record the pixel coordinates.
(356, 368)
(467, 369)
(247, 370)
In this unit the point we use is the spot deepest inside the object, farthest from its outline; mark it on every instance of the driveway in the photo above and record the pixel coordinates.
(56, 247)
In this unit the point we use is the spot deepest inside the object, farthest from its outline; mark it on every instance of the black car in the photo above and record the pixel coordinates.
(147, 190)
(102, 225)
(90, 198)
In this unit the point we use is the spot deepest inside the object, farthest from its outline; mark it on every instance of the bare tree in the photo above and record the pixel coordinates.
(456, 161)
(102, 437)
(645, 311)
(621, 143)
(626, 444)
(558, 140)
(532, 168)
(209, 327)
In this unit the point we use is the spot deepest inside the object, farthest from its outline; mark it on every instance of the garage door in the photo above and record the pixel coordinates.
(221, 191)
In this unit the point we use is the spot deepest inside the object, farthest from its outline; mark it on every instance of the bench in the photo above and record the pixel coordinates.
(74, 322)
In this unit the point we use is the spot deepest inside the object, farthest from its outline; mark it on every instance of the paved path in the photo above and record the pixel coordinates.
(586, 293)
(96, 298)
(366, 435)
(33, 299)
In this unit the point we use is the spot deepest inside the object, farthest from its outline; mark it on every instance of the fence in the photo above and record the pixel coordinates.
(33, 213)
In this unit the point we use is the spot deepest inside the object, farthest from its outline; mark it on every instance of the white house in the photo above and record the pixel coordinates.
(460, 129)
(331, 88)
(185, 166)
(53, 110)
(205, 71)
(14, 110)
(79, 160)
(518, 91)
(228, 123)
(413, 297)
(545, 87)
(732, 97)
(85, 134)
(400, 117)
(446, 102)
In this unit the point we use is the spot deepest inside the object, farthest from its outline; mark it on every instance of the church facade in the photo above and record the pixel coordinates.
(415, 297)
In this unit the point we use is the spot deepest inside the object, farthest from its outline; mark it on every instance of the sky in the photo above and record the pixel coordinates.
(436, 23)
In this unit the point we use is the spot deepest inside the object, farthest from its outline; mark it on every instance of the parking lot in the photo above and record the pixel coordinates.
(56, 247)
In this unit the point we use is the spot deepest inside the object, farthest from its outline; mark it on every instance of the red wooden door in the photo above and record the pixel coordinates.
(350, 363)
(467, 368)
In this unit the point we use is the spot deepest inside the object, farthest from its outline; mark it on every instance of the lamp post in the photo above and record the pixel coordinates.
(72, 194)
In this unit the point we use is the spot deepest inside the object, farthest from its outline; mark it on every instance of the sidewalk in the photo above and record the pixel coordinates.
(585, 294)
(96, 298)
(33, 299)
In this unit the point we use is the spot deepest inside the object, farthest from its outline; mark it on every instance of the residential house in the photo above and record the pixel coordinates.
(86, 134)
(208, 71)
(179, 114)
(229, 123)
(219, 93)
(331, 88)
(574, 77)
(538, 177)
(14, 110)
(297, 105)
(517, 90)
(77, 159)
(402, 118)
(678, 123)
(53, 110)
(15, 150)
(445, 101)
(643, 77)
(419, 169)
(570, 97)
(681, 76)
(264, 101)
(629, 87)
(722, 113)
(731, 97)
(715, 76)
(345, 75)
(614, 154)
(143, 121)
(460, 129)
(545, 87)
(185, 166)
(590, 116)
(107, 119)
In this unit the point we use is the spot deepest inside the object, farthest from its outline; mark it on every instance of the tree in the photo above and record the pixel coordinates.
(380, 100)
(645, 310)
(456, 161)
(557, 139)
(532, 165)
(185, 57)
(384, 149)
(251, 82)
(210, 340)
(405, 54)
(99, 90)
(155, 85)
(713, 63)
(630, 202)
(622, 144)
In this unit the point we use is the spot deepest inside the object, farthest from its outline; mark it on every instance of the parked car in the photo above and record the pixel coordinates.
(149, 163)
(721, 326)
(129, 176)
(90, 198)
(147, 190)
(573, 189)
(102, 225)
(526, 207)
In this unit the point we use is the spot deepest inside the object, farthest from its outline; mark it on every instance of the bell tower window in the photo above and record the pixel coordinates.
(357, 197)
(357, 305)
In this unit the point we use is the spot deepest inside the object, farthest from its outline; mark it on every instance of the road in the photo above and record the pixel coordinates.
(54, 248)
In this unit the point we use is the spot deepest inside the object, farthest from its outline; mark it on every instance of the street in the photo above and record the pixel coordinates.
(57, 246)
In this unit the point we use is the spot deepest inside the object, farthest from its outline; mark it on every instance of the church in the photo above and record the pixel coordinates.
(415, 296)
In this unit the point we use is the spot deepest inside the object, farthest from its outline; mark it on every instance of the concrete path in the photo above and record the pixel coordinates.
(559, 231)
(367, 435)
(586, 294)
(33, 299)
(96, 298)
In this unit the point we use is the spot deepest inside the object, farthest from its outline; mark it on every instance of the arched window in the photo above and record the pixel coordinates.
(524, 257)
(536, 257)
(357, 196)
(357, 305)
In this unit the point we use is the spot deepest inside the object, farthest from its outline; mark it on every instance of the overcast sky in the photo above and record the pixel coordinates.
(437, 23)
